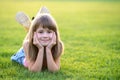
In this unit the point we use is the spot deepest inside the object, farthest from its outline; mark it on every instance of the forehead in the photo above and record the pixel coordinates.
(41, 28)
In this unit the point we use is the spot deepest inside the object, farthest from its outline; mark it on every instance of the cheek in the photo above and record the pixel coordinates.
(51, 35)
(39, 35)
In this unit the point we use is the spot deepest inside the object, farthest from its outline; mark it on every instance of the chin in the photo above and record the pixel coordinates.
(44, 45)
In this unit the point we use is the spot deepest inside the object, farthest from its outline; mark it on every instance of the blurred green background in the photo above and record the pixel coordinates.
(90, 30)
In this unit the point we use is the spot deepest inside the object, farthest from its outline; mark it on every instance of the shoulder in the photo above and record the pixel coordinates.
(26, 44)
(61, 46)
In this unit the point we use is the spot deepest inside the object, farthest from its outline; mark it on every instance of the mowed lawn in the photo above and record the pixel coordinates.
(90, 32)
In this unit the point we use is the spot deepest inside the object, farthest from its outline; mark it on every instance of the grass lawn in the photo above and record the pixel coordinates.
(90, 32)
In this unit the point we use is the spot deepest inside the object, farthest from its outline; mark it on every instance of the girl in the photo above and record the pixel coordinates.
(42, 46)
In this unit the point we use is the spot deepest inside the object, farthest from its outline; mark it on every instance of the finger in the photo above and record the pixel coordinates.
(54, 37)
(38, 41)
(37, 37)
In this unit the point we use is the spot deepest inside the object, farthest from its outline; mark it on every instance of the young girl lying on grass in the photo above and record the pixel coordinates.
(42, 46)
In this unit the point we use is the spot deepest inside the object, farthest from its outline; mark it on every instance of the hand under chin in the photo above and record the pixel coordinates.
(44, 44)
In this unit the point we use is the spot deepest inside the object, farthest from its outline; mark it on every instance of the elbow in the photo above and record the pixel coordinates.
(32, 69)
(54, 69)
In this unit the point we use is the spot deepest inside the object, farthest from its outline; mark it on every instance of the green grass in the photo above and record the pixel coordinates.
(90, 32)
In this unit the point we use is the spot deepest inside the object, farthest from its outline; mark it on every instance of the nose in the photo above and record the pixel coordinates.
(45, 35)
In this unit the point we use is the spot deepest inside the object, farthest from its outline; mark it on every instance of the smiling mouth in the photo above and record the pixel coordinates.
(44, 40)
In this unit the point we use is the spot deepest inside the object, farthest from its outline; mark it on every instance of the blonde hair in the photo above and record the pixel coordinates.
(45, 21)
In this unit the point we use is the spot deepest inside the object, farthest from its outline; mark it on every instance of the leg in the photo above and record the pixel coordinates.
(23, 19)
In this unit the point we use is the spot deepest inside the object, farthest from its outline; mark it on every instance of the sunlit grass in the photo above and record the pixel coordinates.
(89, 30)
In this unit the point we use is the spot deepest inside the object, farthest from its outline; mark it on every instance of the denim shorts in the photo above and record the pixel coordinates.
(19, 56)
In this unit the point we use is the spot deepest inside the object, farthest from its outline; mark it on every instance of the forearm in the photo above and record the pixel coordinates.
(51, 63)
(37, 65)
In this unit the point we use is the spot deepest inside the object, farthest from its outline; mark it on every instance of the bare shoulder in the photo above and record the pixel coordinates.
(25, 44)
(61, 45)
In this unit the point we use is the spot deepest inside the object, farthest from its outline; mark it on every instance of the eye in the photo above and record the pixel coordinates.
(41, 31)
(49, 31)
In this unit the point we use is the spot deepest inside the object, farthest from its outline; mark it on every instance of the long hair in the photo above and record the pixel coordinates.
(44, 21)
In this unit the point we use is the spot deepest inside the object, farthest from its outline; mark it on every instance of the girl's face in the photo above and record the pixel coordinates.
(44, 35)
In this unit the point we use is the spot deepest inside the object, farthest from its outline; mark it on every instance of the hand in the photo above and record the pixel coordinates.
(53, 41)
(36, 41)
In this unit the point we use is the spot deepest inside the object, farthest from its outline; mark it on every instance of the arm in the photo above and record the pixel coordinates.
(53, 65)
(37, 64)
